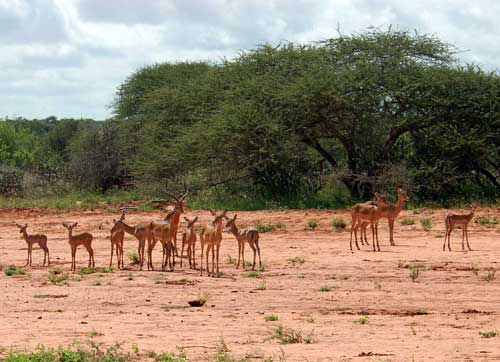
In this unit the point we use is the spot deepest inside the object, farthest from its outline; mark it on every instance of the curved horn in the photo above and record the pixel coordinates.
(173, 196)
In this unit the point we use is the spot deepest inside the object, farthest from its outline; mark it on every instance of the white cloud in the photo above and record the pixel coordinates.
(66, 57)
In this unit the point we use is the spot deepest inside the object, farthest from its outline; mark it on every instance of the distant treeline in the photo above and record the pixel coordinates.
(292, 125)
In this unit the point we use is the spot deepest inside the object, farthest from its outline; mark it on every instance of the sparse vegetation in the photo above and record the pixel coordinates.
(296, 261)
(490, 275)
(13, 270)
(271, 318)
(262, 286)
(407, 221)
(290, 336)
(488, 334)
(325, 289)
(362, 320)
(312, 224)
(339, 224)
(57, 277)
(414, 273)
(426, 224)
(87, 271)
(264, 228)
(252, 274)
(134, 258)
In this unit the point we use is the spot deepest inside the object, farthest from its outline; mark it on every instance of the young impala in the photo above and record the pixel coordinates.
(211, 235)
(452, 220)
(248, 235)
(369, 213)
(39, 239)
(75, 241)
(189, 241)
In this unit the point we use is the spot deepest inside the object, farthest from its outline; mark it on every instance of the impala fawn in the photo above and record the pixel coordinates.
(165, 230)
(189, 240)
(39, 239)
(368, 213)
(452, 220)
(248, 235)
(74, 241)
(211, 235)
(389, 211)
(117, 235)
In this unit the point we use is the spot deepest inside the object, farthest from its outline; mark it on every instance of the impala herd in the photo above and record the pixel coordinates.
(210, 235)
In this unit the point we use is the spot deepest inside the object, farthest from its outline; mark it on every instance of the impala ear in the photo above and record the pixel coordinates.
(195, 219)
(212, 212)
(187, 220)
(75, 224)
(235, 216)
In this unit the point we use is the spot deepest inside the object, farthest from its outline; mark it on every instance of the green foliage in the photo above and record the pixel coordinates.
(488, 334)
(297, 260)
(407, 221)
(426, 224)
(271, 318)
(264, 228)
(13, 270)
(57, 277)
(291, 336)
(362, 320)
(134, 257)
(339, 224)
(312, 224)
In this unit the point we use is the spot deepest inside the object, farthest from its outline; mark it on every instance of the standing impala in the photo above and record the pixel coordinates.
(367, 213)
(248, 235)
(39, 239)
(74, 241)
(189, 240)
(452, 220)
(389, 211)
(116, 238)
(211, 235)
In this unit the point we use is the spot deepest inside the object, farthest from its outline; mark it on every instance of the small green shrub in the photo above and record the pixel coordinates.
(280, 226)
(339, 223)
(490, 275)
(296, 261)
(252, 274)
(290, 336)
(362, 320)
(264, 228)
(312, 224)
(171, 357)
(134, 257)
(407, 221)
(414, 272)
(87, 271)
(57, 277)
(325, 289)
(488, 334)
(13, 270)
(262, 286)
(271, 318)
(426, 224)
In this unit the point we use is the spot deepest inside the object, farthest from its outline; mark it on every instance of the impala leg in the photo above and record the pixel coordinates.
(254, 249)
(364, 233)
(467, 237)
(376, 235)
(111, 257)
(208, 251)
(391, 231)
(239, 255)
(243, 254)
(463, 238)
(445, 237)
(213, 260)
(193, 251)
(73, 257)
(217, 257)
(373, 236)
(201, 256)
(182, 251)
(258, 250)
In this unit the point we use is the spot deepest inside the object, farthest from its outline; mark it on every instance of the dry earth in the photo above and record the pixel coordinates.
(150, 309)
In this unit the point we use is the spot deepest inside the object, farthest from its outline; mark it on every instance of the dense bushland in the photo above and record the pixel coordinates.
(291, 125)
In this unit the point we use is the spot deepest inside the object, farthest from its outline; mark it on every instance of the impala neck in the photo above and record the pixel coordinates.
(234, 229)
(25, 234)
(128, 229)
(399, 204)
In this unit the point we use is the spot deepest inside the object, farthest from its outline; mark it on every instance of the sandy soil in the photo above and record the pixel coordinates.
(150, 308)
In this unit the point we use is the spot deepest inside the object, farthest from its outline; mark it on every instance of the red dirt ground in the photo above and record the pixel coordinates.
(150, 310)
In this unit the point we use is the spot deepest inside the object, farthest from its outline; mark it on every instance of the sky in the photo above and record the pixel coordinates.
(66, 58)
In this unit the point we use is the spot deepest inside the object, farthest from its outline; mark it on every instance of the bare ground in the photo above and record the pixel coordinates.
(436, 318)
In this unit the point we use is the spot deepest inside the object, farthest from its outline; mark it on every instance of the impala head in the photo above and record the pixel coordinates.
(178, 202)
(22, 228)
(190, 223)
(118, 223)
(170, 215)
(474, 206)
(402, 195)
(381, 199)
(70, 226)
(218, 218)
(230, 222)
